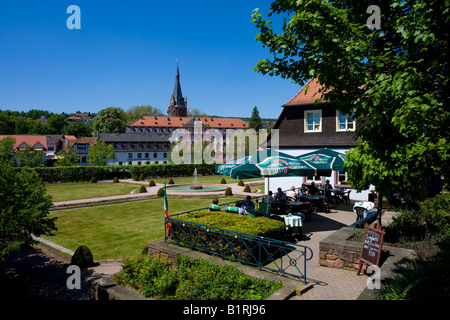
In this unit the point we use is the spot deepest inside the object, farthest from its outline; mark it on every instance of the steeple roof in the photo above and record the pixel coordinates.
(177, 95)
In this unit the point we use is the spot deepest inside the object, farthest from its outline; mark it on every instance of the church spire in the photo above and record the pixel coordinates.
(178, 104)
(177, 95)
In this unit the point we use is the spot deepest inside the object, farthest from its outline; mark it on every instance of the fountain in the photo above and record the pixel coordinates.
(195, 186)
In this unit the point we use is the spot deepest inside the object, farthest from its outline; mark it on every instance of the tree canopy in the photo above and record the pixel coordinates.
(110, 120)
(24, 205)
(393, 80)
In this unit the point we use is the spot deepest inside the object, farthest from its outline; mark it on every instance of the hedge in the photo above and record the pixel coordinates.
(230, 247)
(85, 173)
(260, 226)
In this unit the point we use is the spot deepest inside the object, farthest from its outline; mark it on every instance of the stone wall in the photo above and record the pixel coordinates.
(336, 251)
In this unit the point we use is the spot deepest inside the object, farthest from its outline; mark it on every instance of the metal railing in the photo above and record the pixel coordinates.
(265, 253)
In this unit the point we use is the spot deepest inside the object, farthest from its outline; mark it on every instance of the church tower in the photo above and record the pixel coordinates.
(178, 104)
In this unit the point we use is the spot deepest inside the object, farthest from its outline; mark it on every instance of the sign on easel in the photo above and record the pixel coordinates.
(372, 247)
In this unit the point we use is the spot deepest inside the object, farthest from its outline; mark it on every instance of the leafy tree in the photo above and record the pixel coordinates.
(56, 123)
(135, 113)
(24, 205)
(78, 129)
(100, 153)
(110, 120)
(67, 157)
(393, 80)
(7, 124)
(27, 157)
(255, 120)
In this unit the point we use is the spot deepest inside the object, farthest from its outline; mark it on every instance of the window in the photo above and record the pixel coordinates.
(146, 155)
(130, 155)
(344, 122)
(315, 179)
(342, 178)
(155, 155)
(313, 121)
(165, 155)
(139, 155)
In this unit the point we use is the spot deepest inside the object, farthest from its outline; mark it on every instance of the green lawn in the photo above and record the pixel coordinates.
(119, 230)
(75, 191)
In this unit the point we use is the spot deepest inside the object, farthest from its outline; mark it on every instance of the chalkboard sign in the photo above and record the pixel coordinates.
(371, 247)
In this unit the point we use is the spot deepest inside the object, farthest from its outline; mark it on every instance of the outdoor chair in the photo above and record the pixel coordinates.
(307, 208)
(359, 213)
(346, 196)
(214, 207)
(232, 210)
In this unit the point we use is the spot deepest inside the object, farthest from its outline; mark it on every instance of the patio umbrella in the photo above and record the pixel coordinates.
(330, 159)
(270, 163)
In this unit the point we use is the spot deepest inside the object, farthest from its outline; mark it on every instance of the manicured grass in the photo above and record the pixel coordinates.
(119, 230)
(75, 191)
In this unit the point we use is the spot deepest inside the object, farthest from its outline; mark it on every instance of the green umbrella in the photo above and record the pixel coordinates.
(330, 159)
(270, 163)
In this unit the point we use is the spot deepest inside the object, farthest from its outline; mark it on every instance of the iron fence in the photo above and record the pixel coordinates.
(265, 253)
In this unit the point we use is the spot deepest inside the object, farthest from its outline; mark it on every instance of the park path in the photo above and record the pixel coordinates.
(151, 191)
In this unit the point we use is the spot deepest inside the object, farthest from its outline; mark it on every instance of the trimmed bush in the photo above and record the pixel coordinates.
(136, 177)
(141, 177)
(240, 183)
(228, 192)
(93, 180)
(247, 188)
(116, 180)
(171, 181)
(260, 226)
(160, 192)
(151, 183)
(142, 189)
(82, 257)
(223, 181)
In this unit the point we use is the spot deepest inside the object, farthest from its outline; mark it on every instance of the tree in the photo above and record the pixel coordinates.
(27, 157)
(78, 129)
(110, 120)
(67, 157)
(255, 120)
(24, 205)
(56, 123)
(393, 80)
(135, 113)
(100, 153)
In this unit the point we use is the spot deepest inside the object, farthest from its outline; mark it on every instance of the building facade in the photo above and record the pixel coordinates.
(137, 148)
(305, 125)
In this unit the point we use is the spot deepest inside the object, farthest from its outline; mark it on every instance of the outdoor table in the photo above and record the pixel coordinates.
(367, 205)
(337, 193)
(294, 223)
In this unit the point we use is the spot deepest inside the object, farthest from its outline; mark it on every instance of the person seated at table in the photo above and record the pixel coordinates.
(238, 205)
(303, 191)
(268, 198)
(313, 189)
(248, 204)
(291, 194)
(280, 196)
(215, 205)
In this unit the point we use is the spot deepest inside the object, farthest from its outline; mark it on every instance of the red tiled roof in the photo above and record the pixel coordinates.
(30, 140)
(308, 94)
(179, 122)
(85, 140)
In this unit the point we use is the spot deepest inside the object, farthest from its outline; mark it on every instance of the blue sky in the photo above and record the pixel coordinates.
(125, 55)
